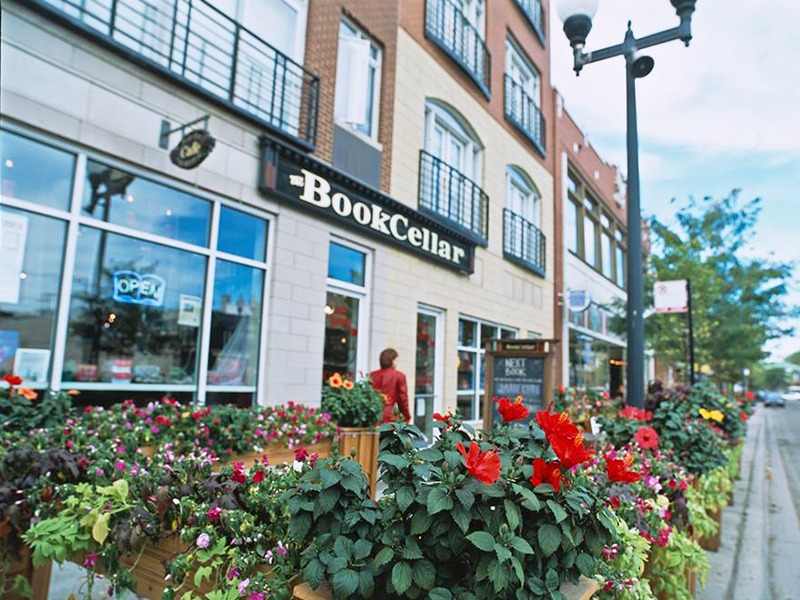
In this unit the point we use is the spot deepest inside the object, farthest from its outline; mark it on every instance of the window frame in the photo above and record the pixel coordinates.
(75, 219)
(516, 56)
(301, 25)
(517, 178)
(437, 113)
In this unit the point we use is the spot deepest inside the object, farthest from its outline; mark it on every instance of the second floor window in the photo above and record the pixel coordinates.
(281, 23)
(450, 140)
(358, 73)
(524, 74)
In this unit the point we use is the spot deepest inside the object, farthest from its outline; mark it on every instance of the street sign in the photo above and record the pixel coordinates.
(578, 300)
(671, 296)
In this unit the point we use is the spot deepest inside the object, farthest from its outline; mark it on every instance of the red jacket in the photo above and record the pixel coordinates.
(392, 383)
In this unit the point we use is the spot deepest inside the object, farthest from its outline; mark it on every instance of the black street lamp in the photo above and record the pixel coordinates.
(577, 17)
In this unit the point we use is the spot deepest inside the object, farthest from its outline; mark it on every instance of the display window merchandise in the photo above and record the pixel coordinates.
(160, 290)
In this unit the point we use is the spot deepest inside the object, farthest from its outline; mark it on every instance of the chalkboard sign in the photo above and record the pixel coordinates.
(515, 367)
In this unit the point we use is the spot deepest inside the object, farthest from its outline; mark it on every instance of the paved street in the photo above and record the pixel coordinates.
(759, 558)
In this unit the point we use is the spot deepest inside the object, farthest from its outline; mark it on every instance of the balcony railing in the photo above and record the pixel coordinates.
(522, 111)
(534, 12)
(524, 243)
(448, 28)
(445, 193)
(198, 45)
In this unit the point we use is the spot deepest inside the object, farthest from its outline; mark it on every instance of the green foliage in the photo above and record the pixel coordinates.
(352, 404)
(739, 303)
(626, 568)
(670, 567)
(20, 414)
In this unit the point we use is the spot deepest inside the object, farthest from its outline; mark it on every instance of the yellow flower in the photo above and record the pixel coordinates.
(347, 384)
(705, 413)
(335, 380)
(716, 415)
(185, 415)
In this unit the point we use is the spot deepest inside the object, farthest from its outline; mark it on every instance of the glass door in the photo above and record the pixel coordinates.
(428, 379)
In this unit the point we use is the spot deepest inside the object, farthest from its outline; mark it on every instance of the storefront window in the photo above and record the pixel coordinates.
(135, 312)
(341, 335)
(35, 172)
(588, 362)
(346, 264)
(242, 234)
(122, 198)
(31, 247)
(235, 324)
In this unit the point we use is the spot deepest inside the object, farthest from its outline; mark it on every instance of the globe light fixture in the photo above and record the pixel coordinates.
(577, 16)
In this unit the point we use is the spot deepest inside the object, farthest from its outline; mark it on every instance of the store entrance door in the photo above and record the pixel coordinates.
(428, 370)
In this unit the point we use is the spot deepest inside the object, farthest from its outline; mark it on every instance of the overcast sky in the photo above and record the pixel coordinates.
(721, 114)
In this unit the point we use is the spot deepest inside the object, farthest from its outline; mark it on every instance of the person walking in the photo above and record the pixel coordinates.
(392, 384)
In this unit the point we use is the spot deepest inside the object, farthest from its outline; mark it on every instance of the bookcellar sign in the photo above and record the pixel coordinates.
(314, 186)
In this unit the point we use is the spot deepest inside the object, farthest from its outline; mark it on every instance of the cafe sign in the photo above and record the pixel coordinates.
(193, 149)
(317, 187)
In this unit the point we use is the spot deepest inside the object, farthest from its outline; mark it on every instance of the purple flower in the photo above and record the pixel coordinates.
(154, 429)
(269, 556)
(233, 573)
(120, 466)
(88, 561)
(255, 596)
(203, 540)
(243, 586)
(99, 472)
(282, 551)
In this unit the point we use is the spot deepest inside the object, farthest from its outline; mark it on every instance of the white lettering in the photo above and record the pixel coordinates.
(444, 249)
(415, 236)
(316, 191)
(426, 239)
(379, 219)
(361, 213)
(434, 242)
(341, 204)
(458, 254)
(393, 225)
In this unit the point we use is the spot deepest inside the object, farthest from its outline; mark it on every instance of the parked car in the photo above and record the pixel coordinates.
(789, 396)
(774, 399)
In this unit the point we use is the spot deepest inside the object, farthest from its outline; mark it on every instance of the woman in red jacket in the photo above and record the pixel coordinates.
(392, 384)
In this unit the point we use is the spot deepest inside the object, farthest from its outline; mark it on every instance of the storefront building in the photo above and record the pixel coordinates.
(370, 186)
(591, 258)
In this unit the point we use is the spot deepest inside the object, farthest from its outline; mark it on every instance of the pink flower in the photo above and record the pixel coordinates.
(282, 551)
(120, 466)
(233, 573)
(301, 454)
(213, 514)
(89, 560)
(243, 586)
(203, 540)
(256, 596)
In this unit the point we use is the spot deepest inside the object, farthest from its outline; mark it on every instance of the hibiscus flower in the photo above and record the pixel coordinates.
(335, 380)
(512, 411)
(483, 466)
(547, 473)
(12, 380)
(570, 452)
(556, 425)
(617, 470)
(743, 416)
(347, 384)
(639, 414)
(646, 437)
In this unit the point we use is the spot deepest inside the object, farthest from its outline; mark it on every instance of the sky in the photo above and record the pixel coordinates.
(723, 113)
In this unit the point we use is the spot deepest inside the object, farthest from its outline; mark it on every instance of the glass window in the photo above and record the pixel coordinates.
(119, 197)
(358, 65)
(341, 335)
(605, 221)
(135, 313)
(589, 241)
(620, 267)
(572, 226)
(572, 185)
(235, 324)
(618, 235)
(31, 247)
(346, 264)
(240, 399)
(508, 334)
(608, 266)
(488, 333)
(466, 373)
(589, 204)
(242, 234)
(466, 332)
(35, 172)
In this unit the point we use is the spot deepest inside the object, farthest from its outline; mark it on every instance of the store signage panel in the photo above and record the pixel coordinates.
(671, 296)
(319, 188)
(193, 149)
(132, 288)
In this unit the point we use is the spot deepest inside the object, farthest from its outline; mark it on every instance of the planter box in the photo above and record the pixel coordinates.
(366, 442)
(711, 542)
(277, 454)
(583, 591)
(38, 577)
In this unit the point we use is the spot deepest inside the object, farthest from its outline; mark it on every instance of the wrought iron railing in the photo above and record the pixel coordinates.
(448, 28)
(523, 112)
(523, 242)
(195, 42)
(446, 192)
(534, 12)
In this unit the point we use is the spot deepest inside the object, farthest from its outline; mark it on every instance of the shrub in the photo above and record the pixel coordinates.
(352, 404)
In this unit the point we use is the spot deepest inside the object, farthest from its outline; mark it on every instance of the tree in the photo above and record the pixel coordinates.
(794, 358)
(738, 302)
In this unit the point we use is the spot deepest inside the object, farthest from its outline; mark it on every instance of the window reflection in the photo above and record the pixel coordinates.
(119, 197)
(346, 264)
(242, 234)
(341, 335)
(235, 324)
(135, 312)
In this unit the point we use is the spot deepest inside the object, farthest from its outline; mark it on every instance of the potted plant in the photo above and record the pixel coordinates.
(357, 408)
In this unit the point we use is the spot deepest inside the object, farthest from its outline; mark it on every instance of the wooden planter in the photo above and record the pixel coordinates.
(38, 577)
(583, 591)
(366, 442)
(711, 542)
(277, 454)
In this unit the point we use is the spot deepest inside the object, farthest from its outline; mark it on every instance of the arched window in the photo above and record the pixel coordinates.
(522, 197)
(523, 240)
(450, 138)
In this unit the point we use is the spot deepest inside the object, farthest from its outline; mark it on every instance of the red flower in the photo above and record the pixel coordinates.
(614, 501)
(646, 437)
(443, 418)
(12, 380)
(639, 414)
(749, 396)
(512, 411)
(570, 452)
(617, 470)
(258, 477)
(301, 454)
(556, 425)
(213, 514)
(238, 473)
(483, 466)
(547, 473)
(87, 410)
(743, 416)
(162, 420)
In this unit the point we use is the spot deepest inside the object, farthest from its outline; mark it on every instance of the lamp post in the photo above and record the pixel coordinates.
(577, 17)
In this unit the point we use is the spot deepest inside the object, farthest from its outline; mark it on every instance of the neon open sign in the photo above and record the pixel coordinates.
(133, 288)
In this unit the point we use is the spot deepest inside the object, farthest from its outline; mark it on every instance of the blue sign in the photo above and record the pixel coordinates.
(133, 288)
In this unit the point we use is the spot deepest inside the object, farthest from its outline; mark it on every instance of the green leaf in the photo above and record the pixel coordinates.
(401, 577)
(336, 564)
(329, 477)
(345, 583)
(483, 540)
(328, 498)
(343, 547)
(203, 572)
(299, 526)
(512, 514)
(515, 562)
(440, 593)
(362, 548)
(521, 545)
(121, 489)
(503, 553)
(384, 556)
(22, 586)
(420, 522)
(585, 564)
(461, 516)
(424, 574)
(438, 500)
(466, 498)
(395, 460)
(452, 457)
(100, 528)
(430, 454)
(366, 584)
(412, 551)
(314, 573)
(551, 580)
(559, 513)
(405, 496)
(352, 483)
(549, 537)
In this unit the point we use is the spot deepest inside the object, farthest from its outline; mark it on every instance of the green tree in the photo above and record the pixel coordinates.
(738, 302)
(794, 358)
